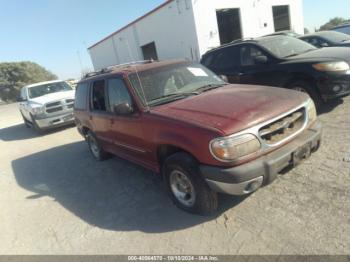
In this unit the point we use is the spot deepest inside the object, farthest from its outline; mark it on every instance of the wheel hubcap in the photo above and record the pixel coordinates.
(182, 188)
(93, 146)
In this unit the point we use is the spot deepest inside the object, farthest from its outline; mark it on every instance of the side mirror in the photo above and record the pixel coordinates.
(223, 77)
(261, 59)
(123, 109)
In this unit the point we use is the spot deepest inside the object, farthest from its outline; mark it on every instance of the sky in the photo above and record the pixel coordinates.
(56, 33)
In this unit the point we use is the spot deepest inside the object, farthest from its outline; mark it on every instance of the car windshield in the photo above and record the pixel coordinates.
(335, 37)
(284, 46)
(172, 82)
(42, 90)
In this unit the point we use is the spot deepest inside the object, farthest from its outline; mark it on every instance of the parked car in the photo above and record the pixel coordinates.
(344, 28)
(284, 62)
(46, 105)
(327, 39)
(203, 135)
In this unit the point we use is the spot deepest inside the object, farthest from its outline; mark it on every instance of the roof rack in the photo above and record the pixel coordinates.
(112, 67)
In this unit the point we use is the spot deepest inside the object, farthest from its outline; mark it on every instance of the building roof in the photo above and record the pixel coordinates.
(133, 22)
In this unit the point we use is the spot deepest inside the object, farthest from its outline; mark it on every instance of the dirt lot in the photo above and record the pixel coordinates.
(55, 199)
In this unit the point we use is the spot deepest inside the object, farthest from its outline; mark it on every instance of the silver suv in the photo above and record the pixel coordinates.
(47, 104)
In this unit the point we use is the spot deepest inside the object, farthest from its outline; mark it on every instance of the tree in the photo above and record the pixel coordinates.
(332, 23)
(13, 76)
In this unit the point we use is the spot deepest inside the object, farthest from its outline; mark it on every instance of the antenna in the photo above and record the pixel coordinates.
(137, 73)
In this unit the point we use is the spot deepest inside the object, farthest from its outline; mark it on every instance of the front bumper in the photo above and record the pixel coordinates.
(65, 118)
(335, 86)
(246, 178)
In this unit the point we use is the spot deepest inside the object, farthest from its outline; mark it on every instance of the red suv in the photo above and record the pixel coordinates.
(201, 134)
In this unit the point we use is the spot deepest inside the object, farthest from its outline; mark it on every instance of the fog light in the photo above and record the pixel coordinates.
(253, 186)
(336, 88)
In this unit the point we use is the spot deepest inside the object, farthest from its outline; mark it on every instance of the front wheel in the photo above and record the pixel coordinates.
(305, 87)
(186, 187)
(95, 148)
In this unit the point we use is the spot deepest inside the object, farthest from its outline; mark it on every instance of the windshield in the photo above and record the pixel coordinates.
(335, 36)
(168, 83)
(284, 46)
(42, 90)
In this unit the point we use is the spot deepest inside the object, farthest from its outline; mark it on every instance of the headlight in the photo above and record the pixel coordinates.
(231, 148)
(311, 111)
(332, 66)
(38, 110)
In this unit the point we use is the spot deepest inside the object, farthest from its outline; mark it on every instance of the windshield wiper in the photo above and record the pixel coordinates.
(171, 97)
(295, 54)
(210, 87)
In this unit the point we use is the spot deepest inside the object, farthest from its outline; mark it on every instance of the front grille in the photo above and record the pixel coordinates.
(53, 104)
(283, 128)
(70, 106)
(69, 101)
(55, 109)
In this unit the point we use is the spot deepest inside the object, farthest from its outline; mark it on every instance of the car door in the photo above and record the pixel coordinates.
(125, 130)
(258, 67)
(99, 117)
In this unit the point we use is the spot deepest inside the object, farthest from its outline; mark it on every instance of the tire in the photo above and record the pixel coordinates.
(95, 148)
(36, 126)
(186, 187)
(305, 87)
(26, 122)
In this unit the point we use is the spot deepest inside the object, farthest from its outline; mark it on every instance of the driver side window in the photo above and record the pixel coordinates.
(117, 93)
(248, 55)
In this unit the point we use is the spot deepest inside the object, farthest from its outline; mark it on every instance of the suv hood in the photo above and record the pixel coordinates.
(233, 108)
(323, 54)
(42, 100)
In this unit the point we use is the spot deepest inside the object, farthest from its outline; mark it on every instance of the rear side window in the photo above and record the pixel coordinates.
(225, 58)
(99, 96)
(228, 58)
(81, 96)
(117, 93)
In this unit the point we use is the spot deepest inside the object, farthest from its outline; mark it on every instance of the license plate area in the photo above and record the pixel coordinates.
(301, 154)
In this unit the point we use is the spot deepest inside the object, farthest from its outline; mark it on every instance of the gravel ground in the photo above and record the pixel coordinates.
(55, 199)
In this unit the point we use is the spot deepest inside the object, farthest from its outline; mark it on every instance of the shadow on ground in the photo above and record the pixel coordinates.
(21, 132)
(114, 195)
(330, 105)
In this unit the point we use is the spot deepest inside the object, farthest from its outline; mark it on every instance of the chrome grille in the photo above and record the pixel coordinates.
(65, 104)
(283, 127)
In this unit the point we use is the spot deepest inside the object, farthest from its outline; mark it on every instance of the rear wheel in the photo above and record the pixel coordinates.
(95, 148)
(305, 87)
(186, 187)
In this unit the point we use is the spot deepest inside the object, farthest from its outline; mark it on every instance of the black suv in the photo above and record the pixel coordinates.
(284, 62)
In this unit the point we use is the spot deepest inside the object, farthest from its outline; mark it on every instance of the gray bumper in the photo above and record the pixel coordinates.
(246, 178)
(55, 121)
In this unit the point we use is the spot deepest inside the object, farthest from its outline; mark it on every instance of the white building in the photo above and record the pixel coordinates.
(189, 28)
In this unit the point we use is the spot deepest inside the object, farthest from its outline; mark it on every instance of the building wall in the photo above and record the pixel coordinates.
(189, 28)
(172, 28)
(254, 15)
